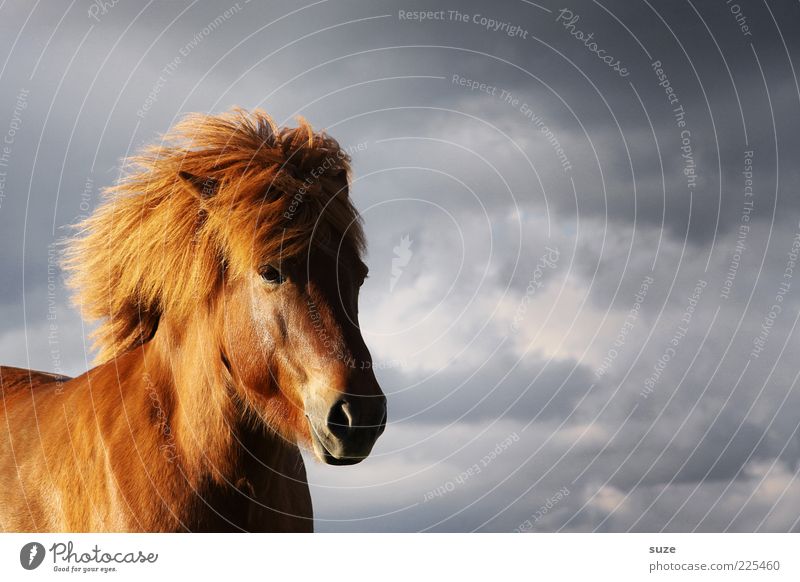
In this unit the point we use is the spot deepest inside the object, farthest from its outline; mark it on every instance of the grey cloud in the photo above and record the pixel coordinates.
(480, 191)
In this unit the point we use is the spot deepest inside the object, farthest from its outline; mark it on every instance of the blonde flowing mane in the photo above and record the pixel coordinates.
(220, 196)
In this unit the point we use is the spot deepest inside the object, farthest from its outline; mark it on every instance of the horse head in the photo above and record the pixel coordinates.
(245, 232)
(292, 341)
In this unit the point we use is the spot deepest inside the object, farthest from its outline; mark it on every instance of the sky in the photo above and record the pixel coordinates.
(583, 229)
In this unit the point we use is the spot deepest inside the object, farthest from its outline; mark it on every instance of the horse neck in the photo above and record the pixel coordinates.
(206, 420)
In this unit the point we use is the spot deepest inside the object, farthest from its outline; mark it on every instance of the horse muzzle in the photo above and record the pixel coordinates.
(344, 432)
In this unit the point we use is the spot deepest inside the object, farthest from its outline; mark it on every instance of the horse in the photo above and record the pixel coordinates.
(222, 272)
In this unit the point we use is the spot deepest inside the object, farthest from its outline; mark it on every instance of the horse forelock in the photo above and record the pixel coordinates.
(161, 243)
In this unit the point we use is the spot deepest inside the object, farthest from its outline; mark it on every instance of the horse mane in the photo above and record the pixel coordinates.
(220, 196)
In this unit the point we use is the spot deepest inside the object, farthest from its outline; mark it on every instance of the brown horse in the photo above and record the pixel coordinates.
(224, 272)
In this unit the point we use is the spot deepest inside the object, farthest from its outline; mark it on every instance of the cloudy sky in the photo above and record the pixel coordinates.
(593, 210)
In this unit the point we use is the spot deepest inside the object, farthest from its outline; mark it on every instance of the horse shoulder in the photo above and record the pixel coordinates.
(28, 499)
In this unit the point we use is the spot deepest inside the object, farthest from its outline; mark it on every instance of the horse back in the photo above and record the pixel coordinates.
(15, 379)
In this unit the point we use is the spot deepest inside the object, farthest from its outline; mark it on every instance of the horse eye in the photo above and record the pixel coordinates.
(272, 275)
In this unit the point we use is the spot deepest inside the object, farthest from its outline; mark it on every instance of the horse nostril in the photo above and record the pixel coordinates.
(340, 419)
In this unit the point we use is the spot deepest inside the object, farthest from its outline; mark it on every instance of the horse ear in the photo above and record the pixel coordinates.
(205, 187)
